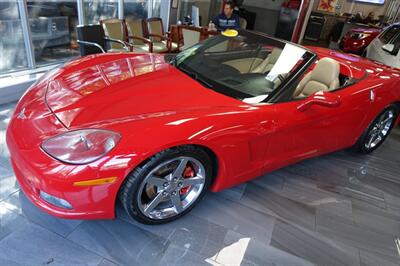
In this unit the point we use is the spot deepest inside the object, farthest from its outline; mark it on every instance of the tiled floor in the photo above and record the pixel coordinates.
(340, 209)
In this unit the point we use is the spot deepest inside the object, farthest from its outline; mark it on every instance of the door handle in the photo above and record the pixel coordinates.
(372, 95)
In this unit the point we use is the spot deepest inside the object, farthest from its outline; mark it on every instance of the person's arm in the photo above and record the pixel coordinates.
(237, 22)
(216, 22)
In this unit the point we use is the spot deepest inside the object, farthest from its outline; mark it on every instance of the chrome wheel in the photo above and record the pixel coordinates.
(171, 187)
(380, 130)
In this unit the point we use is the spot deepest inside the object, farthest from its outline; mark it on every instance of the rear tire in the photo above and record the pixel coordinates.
(377, 131)
(160, 190)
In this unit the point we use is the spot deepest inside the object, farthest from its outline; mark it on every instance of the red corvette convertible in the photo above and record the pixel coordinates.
(156, 132)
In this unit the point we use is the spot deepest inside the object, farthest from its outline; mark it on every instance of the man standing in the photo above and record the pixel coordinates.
(227, 20)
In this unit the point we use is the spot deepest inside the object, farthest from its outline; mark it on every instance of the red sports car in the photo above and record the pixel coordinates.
(157, 131)
(356, 40)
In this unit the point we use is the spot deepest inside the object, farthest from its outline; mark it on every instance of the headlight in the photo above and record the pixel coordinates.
(359, 36)
(81, 146)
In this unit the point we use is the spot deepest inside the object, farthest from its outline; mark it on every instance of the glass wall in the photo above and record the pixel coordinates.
(34, 33)
(203, 5)
(96, 10)
(135, 9)
(52, 25)
(12, 47)
(156, 9)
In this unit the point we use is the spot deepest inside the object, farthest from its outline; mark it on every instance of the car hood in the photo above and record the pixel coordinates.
(110, 88)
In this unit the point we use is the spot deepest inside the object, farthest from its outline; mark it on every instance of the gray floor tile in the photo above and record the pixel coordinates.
(33, 245)
(8, 184)
(234, 216)
(175, 255)
(19, 203)
(272, 203)
(357, 235)
(10, 221)
(369, 258)
(106, 262)
(120, 242)
(241, 250)
(189, 232)
(312, 246)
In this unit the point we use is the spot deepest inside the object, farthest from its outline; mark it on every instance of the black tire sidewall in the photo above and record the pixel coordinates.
(131, 186)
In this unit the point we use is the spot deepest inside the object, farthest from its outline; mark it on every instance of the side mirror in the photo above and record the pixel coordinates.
(321, 98)
(389, 47)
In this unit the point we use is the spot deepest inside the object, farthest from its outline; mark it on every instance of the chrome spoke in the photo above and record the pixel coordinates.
(176, 202)
(181, 167)
(156, 181)
(371, 140)
(389, 119)
(192, 181)
(154, 203)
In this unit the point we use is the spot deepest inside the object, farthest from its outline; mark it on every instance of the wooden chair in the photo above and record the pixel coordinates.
(136, 36)
(161, 40)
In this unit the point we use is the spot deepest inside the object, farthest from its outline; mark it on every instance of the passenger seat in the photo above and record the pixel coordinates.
(269, 62)
(324, 77)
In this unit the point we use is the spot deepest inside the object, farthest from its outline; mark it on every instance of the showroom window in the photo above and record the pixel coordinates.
(156, 8)
(135, 9)
(12, 46)
(40, 33)
(52, 25)
(96, 10)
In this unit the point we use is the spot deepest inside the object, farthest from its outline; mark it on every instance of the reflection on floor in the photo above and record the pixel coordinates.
(340, 209)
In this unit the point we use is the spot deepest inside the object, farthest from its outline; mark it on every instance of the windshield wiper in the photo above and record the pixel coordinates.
(196, 77)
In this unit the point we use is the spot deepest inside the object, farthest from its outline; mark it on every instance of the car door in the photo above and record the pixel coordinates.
(325, 126)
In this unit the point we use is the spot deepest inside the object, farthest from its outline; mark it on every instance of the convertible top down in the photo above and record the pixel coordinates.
(156, 132)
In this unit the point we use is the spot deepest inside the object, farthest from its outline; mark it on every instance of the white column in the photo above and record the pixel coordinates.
(81, 15)
(120, 9)
(26, 31)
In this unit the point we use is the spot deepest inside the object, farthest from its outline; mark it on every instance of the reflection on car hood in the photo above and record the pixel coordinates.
(126, 86)
(365, 30)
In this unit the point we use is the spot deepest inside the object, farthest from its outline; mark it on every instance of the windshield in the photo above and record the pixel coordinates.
(249, 67)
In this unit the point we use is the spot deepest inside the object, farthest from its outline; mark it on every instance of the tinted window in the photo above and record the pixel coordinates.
(388, 34)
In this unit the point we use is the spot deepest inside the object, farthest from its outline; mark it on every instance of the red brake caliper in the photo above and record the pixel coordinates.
(188, 173)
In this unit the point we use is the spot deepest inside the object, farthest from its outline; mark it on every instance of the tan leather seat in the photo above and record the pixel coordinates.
(136, 36)
(324, 77)
(268, 62)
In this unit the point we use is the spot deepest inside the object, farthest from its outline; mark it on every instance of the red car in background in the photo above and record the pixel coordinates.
(157, 132)
(356, 40)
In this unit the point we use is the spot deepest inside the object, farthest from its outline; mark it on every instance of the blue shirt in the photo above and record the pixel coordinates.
(223, 23)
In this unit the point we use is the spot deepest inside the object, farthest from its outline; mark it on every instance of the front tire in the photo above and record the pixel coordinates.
(167, 186)
(377, 131)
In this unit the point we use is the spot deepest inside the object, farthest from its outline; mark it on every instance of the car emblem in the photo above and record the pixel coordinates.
(21, 114)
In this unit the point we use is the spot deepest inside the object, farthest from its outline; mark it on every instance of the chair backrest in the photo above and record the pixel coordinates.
(243, 23)
(135, 28)
(90, 33)
(155, 26)
(324, 77)
(115, 29)
(191, 35)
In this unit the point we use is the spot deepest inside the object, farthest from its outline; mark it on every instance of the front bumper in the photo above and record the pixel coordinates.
(36, 171)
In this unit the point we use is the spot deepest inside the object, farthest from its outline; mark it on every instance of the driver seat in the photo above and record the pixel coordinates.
(324, 77)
